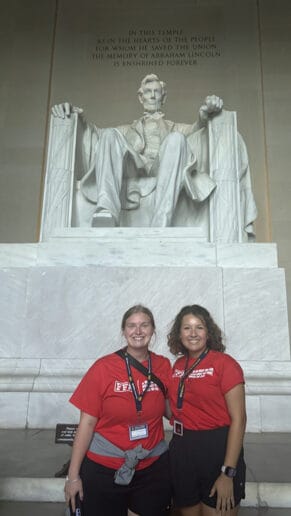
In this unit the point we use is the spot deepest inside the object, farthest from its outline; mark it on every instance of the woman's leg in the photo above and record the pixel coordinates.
(195, 510)
(101, 495)
(210, 511)
(150, 489)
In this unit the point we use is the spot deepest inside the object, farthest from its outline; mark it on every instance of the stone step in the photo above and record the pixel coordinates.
(32, 489)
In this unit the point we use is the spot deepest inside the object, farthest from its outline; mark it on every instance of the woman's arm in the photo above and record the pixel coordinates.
(235, 400)
(81, 444)
(168, 412)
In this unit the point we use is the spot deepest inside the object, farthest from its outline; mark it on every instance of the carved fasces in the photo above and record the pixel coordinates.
(224, 205)
(59, 179)
(232, 208)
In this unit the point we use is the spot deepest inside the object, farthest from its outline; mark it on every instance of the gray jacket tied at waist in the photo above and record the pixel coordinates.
(124, 474)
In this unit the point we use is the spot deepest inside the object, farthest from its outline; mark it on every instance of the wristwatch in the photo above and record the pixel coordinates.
(228, 471)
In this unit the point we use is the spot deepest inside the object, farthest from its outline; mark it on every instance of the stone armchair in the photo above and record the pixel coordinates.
(226, 217)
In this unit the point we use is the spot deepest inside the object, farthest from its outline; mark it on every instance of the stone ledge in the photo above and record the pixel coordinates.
(267, 494)
(147, 248)
(62, 375)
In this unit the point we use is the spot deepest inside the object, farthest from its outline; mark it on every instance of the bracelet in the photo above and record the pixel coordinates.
(72, 481)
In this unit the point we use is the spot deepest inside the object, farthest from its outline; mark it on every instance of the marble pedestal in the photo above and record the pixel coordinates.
(62, 302)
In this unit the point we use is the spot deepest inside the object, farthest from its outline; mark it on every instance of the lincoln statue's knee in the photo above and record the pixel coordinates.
(109, 135)
(174, 140)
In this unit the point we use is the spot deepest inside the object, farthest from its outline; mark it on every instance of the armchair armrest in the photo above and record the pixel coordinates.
(59, 175)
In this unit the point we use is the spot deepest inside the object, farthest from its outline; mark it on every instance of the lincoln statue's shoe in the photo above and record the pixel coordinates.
(103, 219)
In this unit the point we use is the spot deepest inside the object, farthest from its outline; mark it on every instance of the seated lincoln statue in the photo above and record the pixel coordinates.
(156, 173)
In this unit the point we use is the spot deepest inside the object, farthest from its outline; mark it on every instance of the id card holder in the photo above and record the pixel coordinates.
(138, 431)
(178, 428)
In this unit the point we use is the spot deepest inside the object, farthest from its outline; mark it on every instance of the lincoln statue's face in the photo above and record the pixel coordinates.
(152, 96)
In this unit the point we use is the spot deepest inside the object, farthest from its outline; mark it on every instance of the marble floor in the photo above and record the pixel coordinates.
(58, 509)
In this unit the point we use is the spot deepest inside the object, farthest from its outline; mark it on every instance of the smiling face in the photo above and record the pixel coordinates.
(151, 96)
(193, 335)
(138, 331)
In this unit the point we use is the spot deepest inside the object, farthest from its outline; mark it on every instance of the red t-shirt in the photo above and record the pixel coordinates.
(105, 392)
(204, 406)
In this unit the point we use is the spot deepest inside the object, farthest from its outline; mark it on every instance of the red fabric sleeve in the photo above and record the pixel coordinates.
(231, 373)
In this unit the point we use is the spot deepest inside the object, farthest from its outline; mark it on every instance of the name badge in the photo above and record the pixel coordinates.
(138, 432)
(178, 428)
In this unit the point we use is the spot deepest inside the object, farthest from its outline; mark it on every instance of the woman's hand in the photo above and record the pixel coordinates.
(223, 487)
(72, 487)
(81, 444)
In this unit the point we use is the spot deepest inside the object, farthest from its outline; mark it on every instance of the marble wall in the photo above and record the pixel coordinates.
(26, 35)
(275, 24)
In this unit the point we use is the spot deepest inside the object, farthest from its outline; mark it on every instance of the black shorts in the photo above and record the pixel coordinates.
(195, 463)
(149, 492)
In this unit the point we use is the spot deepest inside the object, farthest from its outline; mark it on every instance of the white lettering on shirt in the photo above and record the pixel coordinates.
(125, 386)
(196, 373)
(121, 386)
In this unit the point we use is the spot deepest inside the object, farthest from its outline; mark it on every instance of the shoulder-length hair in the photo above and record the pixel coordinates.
(214, 333)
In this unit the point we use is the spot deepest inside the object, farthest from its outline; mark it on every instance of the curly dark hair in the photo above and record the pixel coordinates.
(136, 309)
(214, 339)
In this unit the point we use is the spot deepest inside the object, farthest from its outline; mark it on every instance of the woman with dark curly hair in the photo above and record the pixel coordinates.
(207, 401)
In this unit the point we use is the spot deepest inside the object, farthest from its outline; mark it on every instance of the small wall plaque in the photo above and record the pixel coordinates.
(65, 434)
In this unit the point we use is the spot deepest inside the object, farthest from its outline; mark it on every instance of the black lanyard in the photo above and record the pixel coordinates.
(138, 397)
(181, 388)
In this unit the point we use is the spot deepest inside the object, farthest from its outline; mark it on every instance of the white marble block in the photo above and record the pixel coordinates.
(61, 309)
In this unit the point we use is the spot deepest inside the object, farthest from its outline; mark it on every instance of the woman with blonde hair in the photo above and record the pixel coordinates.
(119, 457)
